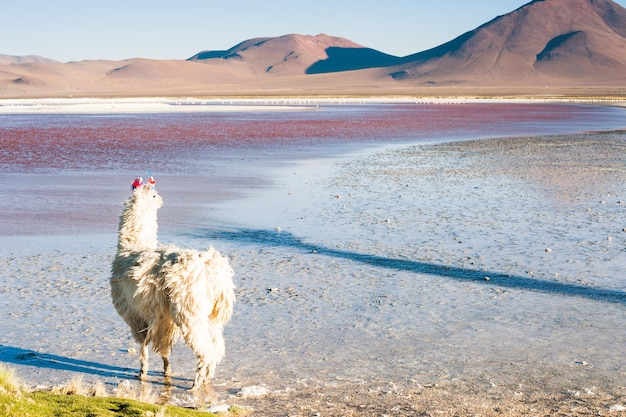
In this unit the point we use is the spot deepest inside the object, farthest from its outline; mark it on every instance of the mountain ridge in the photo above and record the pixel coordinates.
(578, 44)
(531, 42)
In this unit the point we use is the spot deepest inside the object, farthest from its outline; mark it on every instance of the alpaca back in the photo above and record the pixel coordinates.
(199, 284)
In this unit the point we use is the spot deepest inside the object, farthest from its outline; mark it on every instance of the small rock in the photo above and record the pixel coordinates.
(487, 279)
(125, 384)
(252, 391)
(548, 250)
(223, 408)
(617, 407)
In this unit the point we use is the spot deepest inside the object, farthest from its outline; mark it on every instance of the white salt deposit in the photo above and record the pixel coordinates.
(194, 104)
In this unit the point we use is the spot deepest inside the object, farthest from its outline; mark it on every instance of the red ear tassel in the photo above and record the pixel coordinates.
(138, 182)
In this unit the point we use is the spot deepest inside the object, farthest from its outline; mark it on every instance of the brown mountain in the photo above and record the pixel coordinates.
(26, 59)
(545, 40)
(572, 46)
(299, 54)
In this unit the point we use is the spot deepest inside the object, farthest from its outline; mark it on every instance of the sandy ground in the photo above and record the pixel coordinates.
(470, 278)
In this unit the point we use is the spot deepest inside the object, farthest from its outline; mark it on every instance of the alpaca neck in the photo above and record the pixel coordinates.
(138, 228)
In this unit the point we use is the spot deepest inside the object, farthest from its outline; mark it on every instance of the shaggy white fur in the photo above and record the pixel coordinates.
(163, 293)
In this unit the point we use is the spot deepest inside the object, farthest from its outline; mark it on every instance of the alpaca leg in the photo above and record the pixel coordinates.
(167, 368)
(200, 343)
(143, 371)
(217, 349)
(163, 335)
(165, 355)
(209, 354)
(201, 375)
(167, 371)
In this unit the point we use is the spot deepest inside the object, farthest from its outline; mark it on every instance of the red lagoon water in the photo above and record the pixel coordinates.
(66, 174)
(186, 142)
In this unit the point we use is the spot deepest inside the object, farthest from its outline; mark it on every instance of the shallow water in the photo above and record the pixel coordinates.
(369, 243)
(49, 160)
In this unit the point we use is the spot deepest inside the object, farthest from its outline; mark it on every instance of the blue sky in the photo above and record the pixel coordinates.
(74, 30)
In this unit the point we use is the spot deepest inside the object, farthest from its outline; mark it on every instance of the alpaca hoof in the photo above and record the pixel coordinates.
(198, 386)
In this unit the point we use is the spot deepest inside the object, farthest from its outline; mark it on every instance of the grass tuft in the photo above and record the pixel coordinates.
(8, 381)
(99, 390)
(75, 386)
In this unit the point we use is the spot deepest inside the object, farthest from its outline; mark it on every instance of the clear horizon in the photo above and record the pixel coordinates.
(72, 30)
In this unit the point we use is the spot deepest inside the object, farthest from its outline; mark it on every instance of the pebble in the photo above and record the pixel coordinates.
(252, 391)
(223, 408)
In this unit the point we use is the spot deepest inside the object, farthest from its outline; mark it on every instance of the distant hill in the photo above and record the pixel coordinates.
(285, 55)
(544, 40)
(300, 54)
(544, 47)
(26, 59)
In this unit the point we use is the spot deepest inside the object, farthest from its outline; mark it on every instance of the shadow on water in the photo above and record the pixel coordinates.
(285, 239)
(19, 356)
(25, 357)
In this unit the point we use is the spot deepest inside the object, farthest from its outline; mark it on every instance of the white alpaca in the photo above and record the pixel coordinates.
(165, 292)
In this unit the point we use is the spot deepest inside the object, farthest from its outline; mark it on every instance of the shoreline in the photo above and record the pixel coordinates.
(167, 104)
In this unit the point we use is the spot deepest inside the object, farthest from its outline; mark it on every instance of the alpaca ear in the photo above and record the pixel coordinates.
(141, 192)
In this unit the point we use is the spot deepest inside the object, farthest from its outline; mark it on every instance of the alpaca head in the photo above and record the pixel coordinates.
(138, 222)
(145, 194)
(147, 198)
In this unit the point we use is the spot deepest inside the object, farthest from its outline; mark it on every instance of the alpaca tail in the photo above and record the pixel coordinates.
(221, 273)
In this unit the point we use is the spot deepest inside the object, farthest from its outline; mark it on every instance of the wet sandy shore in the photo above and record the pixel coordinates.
(467, 278)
